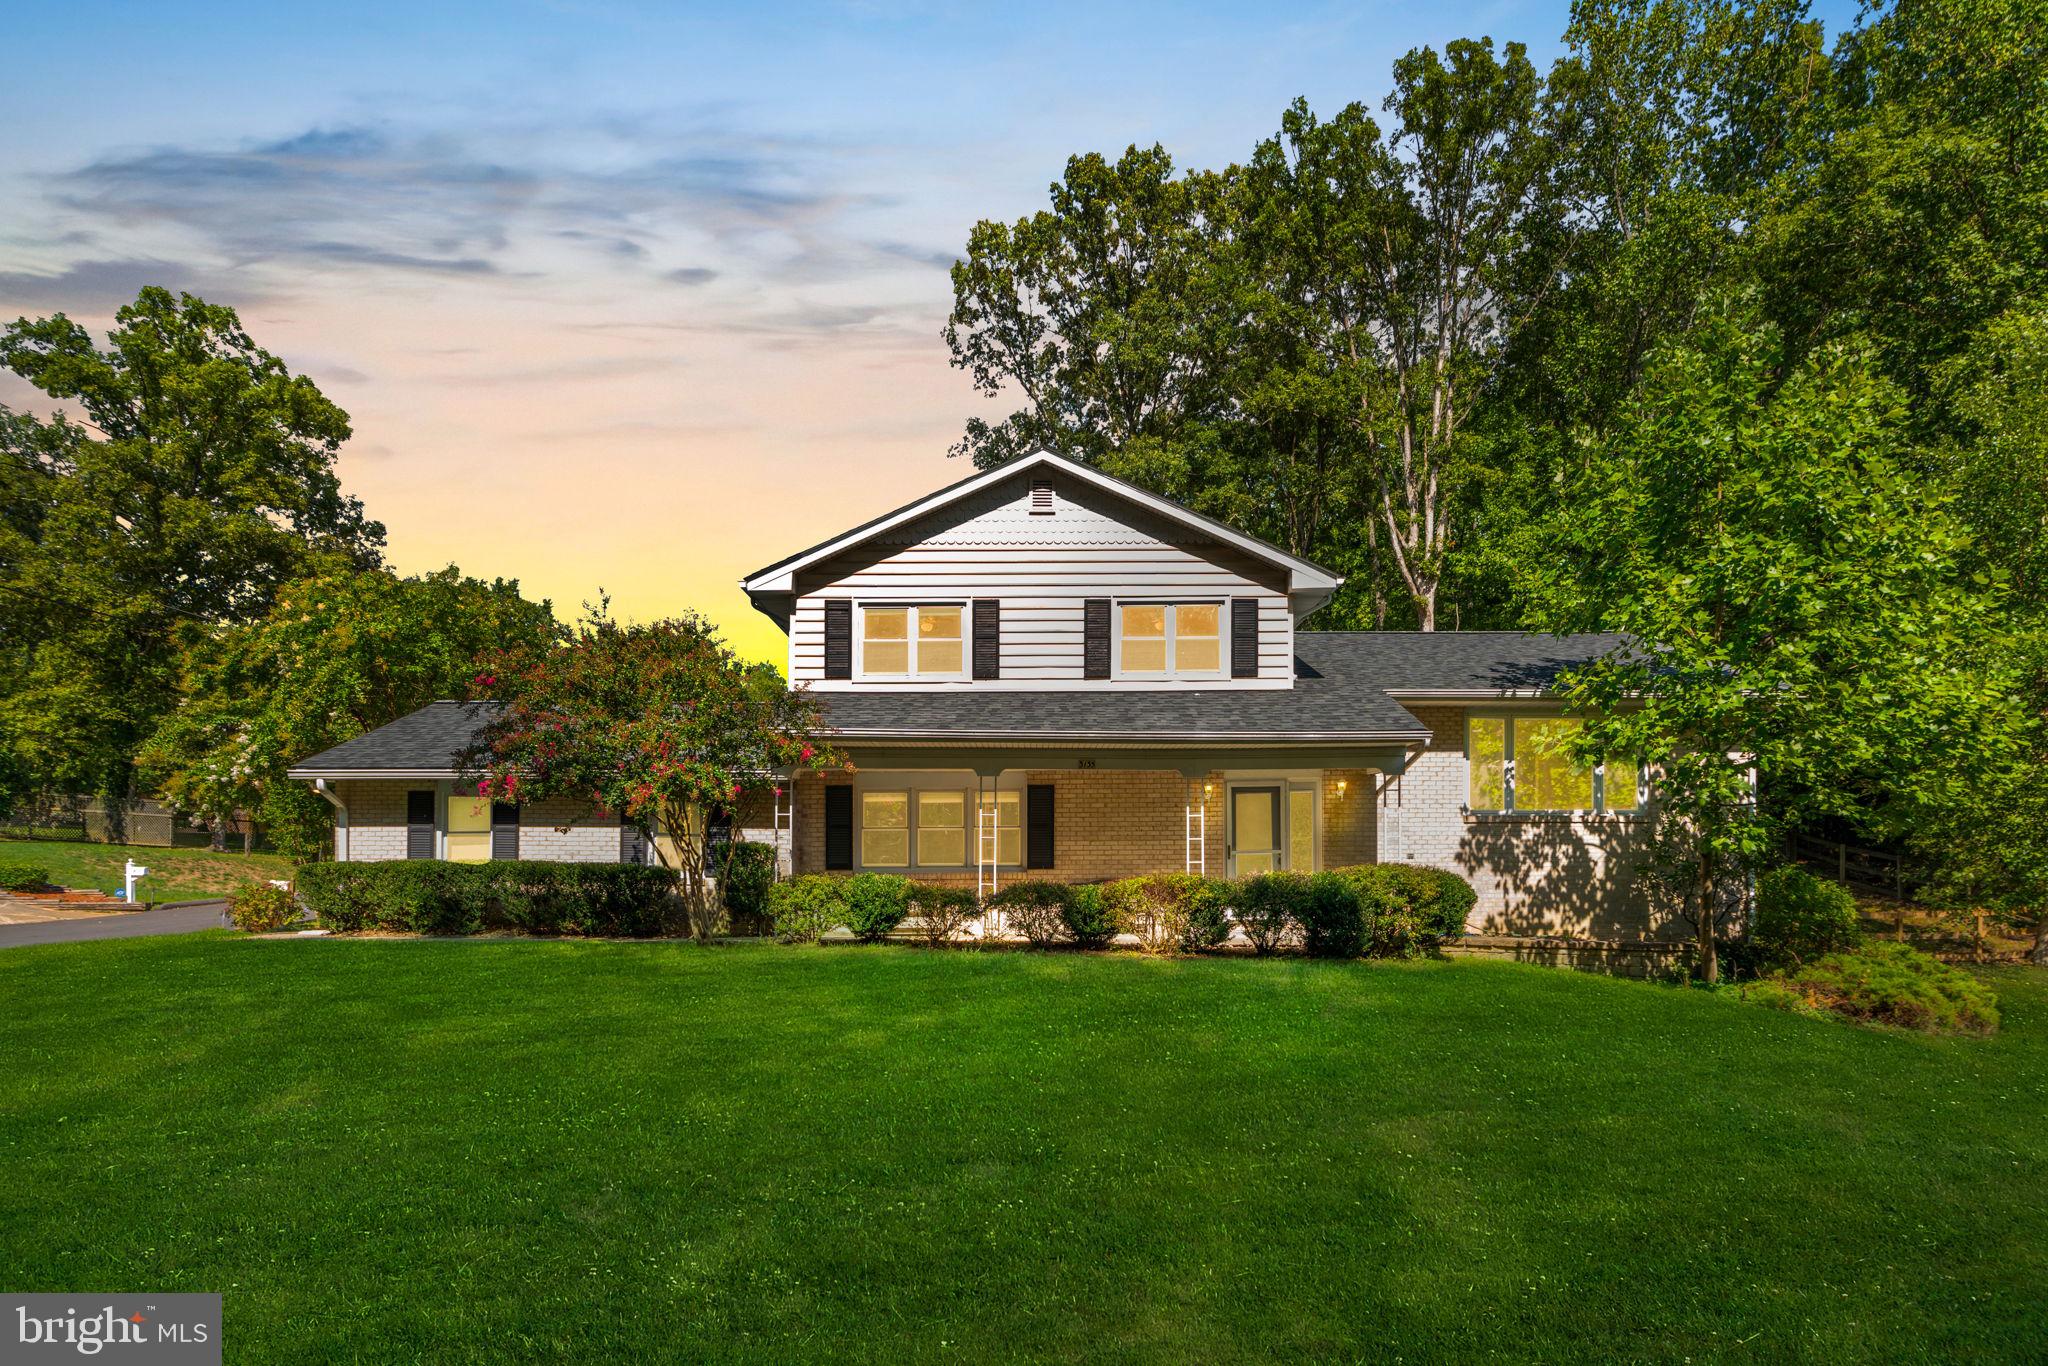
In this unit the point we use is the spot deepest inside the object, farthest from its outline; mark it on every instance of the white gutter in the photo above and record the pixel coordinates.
(340, 820)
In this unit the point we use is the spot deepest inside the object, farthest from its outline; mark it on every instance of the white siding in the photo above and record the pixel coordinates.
(1043, 569)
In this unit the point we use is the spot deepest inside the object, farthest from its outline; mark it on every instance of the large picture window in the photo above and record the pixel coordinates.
(919, 641)
(1525, 763)
(938, 826)
(1170, 639)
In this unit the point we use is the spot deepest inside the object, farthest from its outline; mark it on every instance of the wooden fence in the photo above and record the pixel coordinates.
(1864, 870)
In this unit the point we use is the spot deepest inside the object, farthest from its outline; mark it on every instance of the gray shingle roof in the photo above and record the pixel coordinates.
(425, 741)
(1343, 682)
(1341, 691)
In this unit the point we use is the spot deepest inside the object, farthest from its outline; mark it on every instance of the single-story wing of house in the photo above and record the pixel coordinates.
(1042, 671)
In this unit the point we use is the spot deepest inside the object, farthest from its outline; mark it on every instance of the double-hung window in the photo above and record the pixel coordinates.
(1170, 639)
(937, 827)
(911, 641)
(1526, 763)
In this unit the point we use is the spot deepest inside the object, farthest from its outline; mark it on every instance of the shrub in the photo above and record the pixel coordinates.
(23, 877)
(803, 908)
(1172, 912)
(1036, 910)
(875, 904)
(1889, 984)
(749, 873)
(260, 908)
(1265, 907)
(1800, 918)
(1090, 918)
(1407, 907)
(942, 912)
(429, 897)
(1332, 921)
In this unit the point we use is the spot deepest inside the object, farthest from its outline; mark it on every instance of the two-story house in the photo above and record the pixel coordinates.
(1043, 671)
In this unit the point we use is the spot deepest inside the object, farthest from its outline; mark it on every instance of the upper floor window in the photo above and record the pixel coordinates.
(1170, 639)
(1525, 763)
(921, 641)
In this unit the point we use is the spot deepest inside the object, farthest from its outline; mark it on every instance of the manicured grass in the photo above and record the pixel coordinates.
(174, 874)
(466, 1151)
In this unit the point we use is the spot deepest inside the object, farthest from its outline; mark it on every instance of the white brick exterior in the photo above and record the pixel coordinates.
(1536, 874)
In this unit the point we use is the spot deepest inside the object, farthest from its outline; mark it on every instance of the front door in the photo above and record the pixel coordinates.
(1254, 830)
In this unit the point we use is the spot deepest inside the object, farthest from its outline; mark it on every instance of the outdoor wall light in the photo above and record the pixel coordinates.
(1342, 783)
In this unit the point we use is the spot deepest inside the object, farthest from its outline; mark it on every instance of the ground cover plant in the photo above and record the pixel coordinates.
(174, 874)
(572, 1151)
(1885, 984)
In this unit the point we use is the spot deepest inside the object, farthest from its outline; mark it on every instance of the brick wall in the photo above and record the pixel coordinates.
(1540, 873)
(376, 817)
(1111, 823)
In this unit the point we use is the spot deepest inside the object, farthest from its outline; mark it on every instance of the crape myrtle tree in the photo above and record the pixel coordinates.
(1802, 612)
(660, 724)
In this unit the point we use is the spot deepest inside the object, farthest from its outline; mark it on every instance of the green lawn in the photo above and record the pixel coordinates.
(390, 1151)
(175, 874)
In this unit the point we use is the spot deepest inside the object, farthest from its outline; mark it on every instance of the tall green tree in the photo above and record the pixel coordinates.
(340, 652)
(1800, 603)
(188, 475)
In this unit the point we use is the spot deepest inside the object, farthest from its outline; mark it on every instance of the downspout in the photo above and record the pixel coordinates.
(340, 820)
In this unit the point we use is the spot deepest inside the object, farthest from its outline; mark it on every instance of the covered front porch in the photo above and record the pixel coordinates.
(985, 817)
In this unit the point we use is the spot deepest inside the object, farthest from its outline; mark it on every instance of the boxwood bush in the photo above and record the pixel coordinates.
(1089, 917)
(875, 904)
(1172, 912)
(749, 873)
(1264, 906)
(1406, 907)
(425, 896)
(1332, 920)
(1800, 918)
(942, 912)
(804, 908)
(1036, 910)
(1888, 984)
(260, 908)
(23, 877)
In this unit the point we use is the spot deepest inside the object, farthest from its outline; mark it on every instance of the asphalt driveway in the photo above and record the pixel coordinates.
(181, 919)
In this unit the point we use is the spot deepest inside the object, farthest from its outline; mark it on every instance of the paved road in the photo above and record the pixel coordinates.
(204, 915)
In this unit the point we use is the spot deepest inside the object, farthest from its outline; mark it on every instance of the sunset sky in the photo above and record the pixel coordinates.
(621, 297)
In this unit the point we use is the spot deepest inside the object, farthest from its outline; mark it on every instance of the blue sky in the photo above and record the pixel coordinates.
(622, 296)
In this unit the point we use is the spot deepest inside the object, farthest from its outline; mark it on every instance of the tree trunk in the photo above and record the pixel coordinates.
(2040, 954)
(248, 837)
(1710, 962)
(217, 835)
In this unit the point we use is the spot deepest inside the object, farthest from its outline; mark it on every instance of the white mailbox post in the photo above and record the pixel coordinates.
(131, 874)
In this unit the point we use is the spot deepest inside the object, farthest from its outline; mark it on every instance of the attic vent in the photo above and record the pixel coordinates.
(1041, 498)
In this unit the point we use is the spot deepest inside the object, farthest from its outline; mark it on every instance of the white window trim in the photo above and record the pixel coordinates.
(1171, 672)
(913, 784)
(860, 642)
(1507, 806)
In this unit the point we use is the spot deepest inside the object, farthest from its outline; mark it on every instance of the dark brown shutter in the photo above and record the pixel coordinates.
(419, 823)
(988, 638)
(838, 638)
(1095, 638)
(504, 830)
(839, 827)
(632, 844)
(1038, 840)
(1244, 638)
(717, 835)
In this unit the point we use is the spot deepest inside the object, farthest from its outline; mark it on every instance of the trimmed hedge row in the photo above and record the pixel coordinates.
(429, 897)
(1376, 910)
